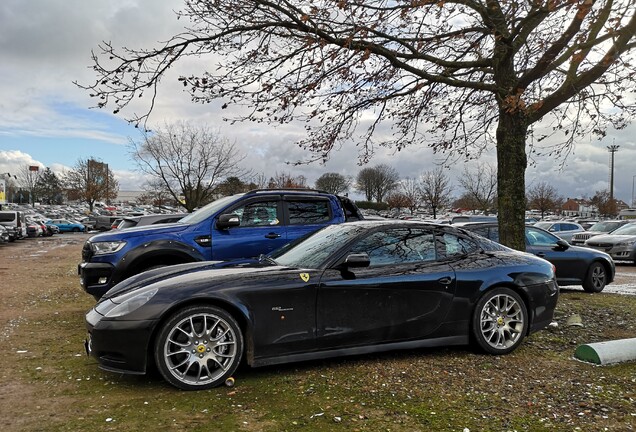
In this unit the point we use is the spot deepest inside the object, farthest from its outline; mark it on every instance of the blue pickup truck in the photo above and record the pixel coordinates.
(237, 226)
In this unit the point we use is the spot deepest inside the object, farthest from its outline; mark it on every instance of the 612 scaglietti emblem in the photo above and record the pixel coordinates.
(304, 277)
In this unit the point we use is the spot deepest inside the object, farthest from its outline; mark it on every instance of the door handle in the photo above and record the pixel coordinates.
(272, 236)
(445, 280)
(540, 254)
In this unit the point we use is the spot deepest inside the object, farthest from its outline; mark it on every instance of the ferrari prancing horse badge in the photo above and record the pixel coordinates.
(304, 277)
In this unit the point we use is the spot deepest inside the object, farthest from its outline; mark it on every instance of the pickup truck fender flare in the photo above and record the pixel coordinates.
(157, 249)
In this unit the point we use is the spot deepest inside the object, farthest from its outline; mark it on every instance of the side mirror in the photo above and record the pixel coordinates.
(562, 244)
(357, 260)
(228, 221)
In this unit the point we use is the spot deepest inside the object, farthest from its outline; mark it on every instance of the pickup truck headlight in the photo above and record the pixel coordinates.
(102, 248)
(127, 303)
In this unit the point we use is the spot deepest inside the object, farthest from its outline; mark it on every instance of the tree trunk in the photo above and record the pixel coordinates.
(511, 169)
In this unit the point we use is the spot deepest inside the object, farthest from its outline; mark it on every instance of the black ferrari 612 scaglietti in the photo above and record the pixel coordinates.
(352, 288)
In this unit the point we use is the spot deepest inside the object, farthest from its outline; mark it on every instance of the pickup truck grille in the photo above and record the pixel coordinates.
(87, 252)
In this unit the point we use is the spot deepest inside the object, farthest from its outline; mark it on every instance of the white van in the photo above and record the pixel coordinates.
(15, 223)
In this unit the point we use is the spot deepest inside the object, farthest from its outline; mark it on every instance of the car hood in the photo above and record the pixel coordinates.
(186, 275)
(611, 238)
(140, 231)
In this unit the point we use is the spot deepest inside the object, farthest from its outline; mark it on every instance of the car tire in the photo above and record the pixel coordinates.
(596, 278)
(198, 348)
(500, 321)
(76, 229)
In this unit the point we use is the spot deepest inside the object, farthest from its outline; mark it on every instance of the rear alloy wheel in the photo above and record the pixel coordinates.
(500, 321)
(596, 278)
(199, 348)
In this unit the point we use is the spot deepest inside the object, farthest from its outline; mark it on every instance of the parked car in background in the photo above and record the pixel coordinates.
(155, 219)
(66, 225)
(574, 265)
(34, 228)
(348, 289)
(562, 229)
(620, 244)
(603, 227)
(104, 223)
(15, 222)
(53, 229)
(4, 235)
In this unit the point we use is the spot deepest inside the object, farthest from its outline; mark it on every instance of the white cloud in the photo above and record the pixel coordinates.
(45, 45)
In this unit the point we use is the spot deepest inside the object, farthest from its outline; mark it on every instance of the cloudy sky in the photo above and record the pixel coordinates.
(45, 119)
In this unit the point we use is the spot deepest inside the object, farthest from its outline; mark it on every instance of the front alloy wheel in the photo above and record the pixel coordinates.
(199, 348)
(500, 321)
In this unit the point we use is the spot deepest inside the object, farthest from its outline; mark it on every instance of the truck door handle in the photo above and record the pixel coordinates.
(445, 280)
(272, 236)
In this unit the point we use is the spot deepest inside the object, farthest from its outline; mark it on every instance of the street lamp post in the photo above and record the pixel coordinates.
(633, 204)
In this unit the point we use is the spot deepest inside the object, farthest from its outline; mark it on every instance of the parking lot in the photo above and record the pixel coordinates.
(49, 384)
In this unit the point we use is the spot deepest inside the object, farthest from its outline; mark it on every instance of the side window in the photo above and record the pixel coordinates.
(494, 234)
(482, 231)
(308, 212)
(452, 245)
(257, 214)
(398, 246)
(539, 238)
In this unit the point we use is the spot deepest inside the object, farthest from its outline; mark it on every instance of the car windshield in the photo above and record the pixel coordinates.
(207, 211)
(605, 226)
(543, 225)
(313, 251)
(629, 229)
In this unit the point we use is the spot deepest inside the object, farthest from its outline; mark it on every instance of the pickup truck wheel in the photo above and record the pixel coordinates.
(595, 279)
(198, 348)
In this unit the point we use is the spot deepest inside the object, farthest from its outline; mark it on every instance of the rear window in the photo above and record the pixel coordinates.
(308, 212)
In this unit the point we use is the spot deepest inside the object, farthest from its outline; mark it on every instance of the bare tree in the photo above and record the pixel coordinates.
(377, 182)
(189, 160)
(411, 189)
(400, 200)
(155, 192)
(91, 180)
(604, 204)
(333, 183)
(544, 197)
(436, 189)
(458, 75)
(481, 186)
(28, 177)
(287, 181)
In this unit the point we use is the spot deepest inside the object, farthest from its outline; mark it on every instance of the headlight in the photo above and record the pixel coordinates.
(101, 248)
(127, 303)
(628, 243)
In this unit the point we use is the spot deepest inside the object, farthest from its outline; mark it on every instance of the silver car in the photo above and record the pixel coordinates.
(603, 227)
(620, 244)
(562, 229)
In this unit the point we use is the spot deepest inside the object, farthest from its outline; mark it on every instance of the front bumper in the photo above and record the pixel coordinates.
(119, 346)
(96, 278)
(618, 253)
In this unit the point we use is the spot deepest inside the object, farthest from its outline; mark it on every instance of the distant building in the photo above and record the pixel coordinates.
(128, 196)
